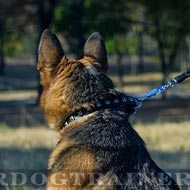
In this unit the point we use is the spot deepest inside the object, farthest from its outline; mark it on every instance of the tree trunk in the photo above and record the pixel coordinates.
(164, 66)
(175, 51)
(45, 14)
(141, 52)
(2, 62)
(120, 69)
(78, 8)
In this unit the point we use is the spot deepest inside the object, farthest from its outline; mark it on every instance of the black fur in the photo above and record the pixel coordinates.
(118, 146)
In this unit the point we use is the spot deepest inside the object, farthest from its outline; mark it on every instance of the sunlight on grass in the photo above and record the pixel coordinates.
(159, 136)
(18, 95)
(168, 143)
(166, 136)
(144, 82)
(26, 138)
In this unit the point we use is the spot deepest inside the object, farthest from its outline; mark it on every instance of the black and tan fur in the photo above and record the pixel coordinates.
(101, 146)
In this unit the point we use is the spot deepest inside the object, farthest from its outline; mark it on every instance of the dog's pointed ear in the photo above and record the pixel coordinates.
(50, 51)
(96, 49)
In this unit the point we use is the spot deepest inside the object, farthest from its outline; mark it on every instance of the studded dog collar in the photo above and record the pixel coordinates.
(128, 102)
(133, 103)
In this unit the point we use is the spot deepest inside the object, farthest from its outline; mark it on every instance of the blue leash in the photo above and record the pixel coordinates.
(162, 88)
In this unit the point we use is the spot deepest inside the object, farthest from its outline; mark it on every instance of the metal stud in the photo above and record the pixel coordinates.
(116, 101)
(124, 99)
(107, 102)
(98, 104)
(130, 99)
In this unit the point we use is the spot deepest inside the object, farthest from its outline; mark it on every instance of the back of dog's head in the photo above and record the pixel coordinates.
(69, 84)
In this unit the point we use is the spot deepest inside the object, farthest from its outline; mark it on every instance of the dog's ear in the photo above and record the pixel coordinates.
(50, 51)
(96, 49)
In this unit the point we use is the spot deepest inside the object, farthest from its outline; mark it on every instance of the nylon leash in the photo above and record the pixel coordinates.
(162, 88)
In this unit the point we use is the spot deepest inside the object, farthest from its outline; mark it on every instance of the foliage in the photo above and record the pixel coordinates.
(123, 44)
(171, 26)
(120, 22)
(107, 17)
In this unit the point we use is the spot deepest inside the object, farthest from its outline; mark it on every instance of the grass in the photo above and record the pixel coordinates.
(27, 138)
(144, 82)
(166, 136)
(140, 83)
(158, 136)
(18, 95)
(169, 143)
(155, 77)
(28, 148)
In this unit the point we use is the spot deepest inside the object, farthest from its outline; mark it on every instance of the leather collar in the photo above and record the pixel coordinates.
(124, 101)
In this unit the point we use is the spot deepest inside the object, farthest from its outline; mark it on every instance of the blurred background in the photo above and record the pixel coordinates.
(148, 42)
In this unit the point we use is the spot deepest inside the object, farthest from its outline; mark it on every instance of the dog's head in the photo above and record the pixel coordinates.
(69, 84)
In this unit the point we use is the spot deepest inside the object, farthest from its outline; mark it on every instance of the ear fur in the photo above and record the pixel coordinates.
(96, 49)
(50, 51)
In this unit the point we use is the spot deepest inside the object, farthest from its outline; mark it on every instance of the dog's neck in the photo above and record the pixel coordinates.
(123, 101)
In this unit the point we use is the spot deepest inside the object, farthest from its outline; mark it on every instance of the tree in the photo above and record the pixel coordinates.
(2, 63)
(8, 26)
(69, 16)
(38, 13)
(78, 18)
(45, 15)
(171, 26)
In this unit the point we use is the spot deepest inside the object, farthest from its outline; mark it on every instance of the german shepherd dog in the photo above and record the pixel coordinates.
(97, 149)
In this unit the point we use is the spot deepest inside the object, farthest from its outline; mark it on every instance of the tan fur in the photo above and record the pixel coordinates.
(81, 164)
(55, 101)
(52, 99)
(64, 141)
